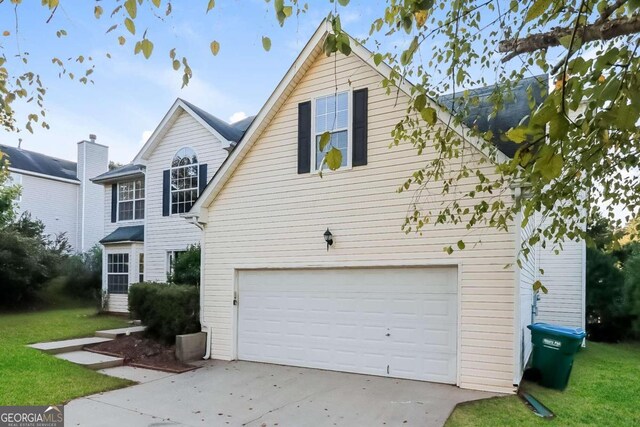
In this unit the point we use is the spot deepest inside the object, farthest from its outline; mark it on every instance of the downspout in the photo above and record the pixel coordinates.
(517, 340)
(194, 220)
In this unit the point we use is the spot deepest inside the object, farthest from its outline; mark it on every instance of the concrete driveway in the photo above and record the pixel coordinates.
(257, 394)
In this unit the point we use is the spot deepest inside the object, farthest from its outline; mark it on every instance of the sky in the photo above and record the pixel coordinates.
(130, 95)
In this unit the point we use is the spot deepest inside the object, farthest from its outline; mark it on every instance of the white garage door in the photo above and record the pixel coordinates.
(397, 322)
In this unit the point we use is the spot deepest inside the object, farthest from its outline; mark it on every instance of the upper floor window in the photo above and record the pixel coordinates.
(131, 200)
(332, 115)
(184, 180)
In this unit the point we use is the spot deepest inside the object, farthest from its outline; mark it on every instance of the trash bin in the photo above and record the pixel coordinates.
(553, 349)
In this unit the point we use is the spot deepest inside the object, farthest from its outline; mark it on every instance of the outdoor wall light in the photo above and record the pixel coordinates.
(328, 237)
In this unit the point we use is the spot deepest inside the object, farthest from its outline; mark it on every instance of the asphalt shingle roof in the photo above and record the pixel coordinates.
(121, 172)
(514, 110)
(133, 233)
(39, 163)
(228, 131)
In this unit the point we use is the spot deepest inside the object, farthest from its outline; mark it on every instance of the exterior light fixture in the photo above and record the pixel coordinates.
(328, 237)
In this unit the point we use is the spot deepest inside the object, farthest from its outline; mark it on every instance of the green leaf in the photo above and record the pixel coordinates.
(448, 250)
(215, 47)
(176, 64)
(537, 9)
(132, 8)
(211, 5)
(147, 48)
(156, 3)
(329, 44)
(377, 58)
(420, 102)
(334, 159)
(461, 245)
(343, 2)
(97, 11)
(325, 138)
(429, 115)
(517, 135)
(266, 43)
(130, 25)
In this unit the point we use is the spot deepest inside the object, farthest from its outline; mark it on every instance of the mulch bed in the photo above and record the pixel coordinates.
(143, 353)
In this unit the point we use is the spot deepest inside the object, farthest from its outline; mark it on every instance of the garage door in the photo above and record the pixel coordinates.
(391, 322)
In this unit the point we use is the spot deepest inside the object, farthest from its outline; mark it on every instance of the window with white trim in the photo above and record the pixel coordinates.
(332, 115)
(118, 273)
(184, 180)
(141, 267)
(172, 256)
(131, 200)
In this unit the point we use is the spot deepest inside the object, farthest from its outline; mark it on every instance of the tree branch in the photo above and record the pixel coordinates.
(588, 33)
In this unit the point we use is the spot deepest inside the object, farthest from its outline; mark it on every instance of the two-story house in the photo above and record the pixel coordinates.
(316, 272)
(60, 193)
(144, 201)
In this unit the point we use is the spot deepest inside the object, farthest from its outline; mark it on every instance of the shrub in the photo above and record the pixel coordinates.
(82, 274)
(607, 319)
(28, 260)
(166, 309)
(632, 289)
(186, 267)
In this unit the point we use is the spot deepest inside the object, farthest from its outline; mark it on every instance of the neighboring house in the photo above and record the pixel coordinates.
(144, 201)
(59, 192)
(378, 301)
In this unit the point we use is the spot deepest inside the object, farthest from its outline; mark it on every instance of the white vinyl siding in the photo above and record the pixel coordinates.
(269, 216)
(174, 233)
(528, 276)
(564, 278)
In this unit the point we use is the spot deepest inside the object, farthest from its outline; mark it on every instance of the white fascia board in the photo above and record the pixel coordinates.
(164, 125)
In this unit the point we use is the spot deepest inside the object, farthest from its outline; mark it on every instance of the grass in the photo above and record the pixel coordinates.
(604, 389)
(30, 377)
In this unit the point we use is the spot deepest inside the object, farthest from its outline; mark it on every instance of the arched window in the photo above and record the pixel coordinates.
(184, 180)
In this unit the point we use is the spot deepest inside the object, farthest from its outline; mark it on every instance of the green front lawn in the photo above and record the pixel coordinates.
(30, 377)
(604, 389)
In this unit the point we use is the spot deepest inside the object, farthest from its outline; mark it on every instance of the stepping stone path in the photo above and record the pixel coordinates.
(73, 350)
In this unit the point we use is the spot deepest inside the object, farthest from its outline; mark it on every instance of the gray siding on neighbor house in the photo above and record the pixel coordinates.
(53, 202)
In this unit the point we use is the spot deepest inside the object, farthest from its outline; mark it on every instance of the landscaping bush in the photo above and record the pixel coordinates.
(632, 289)
(82, 274)
(166, 309)
(28, 260)
(186, 267)
(607, 319)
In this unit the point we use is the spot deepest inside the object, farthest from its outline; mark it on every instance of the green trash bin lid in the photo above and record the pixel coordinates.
(565, 331)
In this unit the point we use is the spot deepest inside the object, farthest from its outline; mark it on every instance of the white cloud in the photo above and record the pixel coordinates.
(145, 136)
(237, 116)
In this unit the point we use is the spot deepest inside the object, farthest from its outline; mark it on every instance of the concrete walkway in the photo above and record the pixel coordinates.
(256, 394)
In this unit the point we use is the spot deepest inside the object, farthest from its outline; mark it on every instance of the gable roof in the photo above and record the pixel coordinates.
(515, 108)
(311, 50)
(39, 163)
(133, 233)
(226, 133)
(125, 171)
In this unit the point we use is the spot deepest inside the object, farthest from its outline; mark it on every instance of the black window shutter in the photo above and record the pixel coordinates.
(166, 202)
(202, 179)
(359, 136)
(114, 202)
(304, 137)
